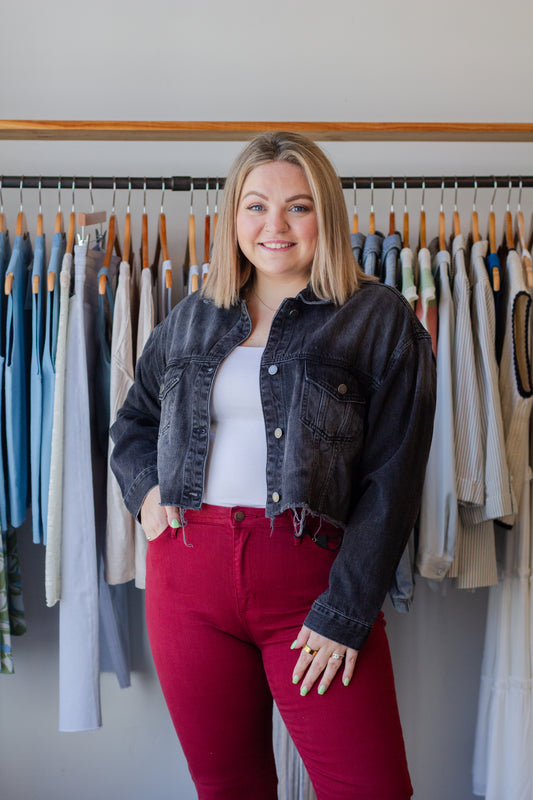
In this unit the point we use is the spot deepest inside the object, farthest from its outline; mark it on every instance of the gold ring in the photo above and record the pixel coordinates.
(310, 650)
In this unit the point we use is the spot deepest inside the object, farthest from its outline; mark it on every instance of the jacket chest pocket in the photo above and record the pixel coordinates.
(168, 396)
(332, 404)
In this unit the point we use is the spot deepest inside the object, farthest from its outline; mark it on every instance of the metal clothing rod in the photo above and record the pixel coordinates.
(182, 183)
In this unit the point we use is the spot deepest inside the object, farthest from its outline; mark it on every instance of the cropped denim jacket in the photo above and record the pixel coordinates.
(351, 388)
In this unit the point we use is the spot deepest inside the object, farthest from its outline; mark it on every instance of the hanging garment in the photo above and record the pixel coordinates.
(476, 553)
(358, 244)
(36, 386)
(408, 277)
(120, 532)
(372, 249)
(392, 245)
(12, 618)
(5, 255)
(18, 341)
(48, 372)
(55, 488)
(439, 517)
(515, 371)
(144, 329)
(426, 306)
(79, 688)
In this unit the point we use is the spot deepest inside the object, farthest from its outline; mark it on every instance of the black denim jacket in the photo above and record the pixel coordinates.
(352, 389)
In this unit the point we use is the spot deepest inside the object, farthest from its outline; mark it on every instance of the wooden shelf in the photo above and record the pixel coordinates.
(113, 130)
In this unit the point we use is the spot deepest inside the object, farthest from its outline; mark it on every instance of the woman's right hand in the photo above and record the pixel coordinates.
(155, 518)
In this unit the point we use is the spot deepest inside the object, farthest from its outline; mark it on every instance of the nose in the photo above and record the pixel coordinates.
(276, 221)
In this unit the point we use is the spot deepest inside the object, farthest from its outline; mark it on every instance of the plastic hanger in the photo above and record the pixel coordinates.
(127, 228)
(112, 243)
(193, 269)
(372, 218)
(405, 217)
(442, 220)
(35, 280)
(392, 218)
(456, 219)
(207, 235)
(475, 219)
(355, 218)
(422, 236)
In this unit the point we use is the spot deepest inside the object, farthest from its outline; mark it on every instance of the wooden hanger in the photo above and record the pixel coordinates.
(423, 237)
(355, 217)
(59, 226)
(405, 217)
(2, 215)
(475, 219)
(111, 243)
(372, 218)
(492, 241)
(521, 233)
(35, 279)
(215, 214)
(193, 269)
(392, 218)
(21, 230)
(127, 229)
(508, 224)
(145, 258)
(163, 241)
(442, 221)
(456, 220)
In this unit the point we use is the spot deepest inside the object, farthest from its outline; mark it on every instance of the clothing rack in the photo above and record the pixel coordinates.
(183, 183)
(109, 130)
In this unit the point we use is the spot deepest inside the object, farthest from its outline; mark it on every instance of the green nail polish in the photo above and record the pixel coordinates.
(303, 691)
(346, 681)
(321, 689)
(295, 678)
(174, 523)
(293, 645)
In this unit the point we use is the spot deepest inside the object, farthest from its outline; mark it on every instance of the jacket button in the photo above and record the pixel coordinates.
(275, 497)
(342, 388)
(293, 313)
(272, 369)
(278, 433)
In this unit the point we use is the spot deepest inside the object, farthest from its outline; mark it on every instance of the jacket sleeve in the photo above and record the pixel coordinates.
(135, 431)
(387, 495)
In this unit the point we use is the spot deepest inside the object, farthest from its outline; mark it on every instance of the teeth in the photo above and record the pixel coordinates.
(279, 246)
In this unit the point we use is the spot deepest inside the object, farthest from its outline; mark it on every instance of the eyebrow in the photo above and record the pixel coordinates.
(288, 200)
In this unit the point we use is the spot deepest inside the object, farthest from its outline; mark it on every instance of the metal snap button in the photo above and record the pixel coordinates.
(239, 516)
(342, 388)
(272, 369)
(275, 497)
(278, 433)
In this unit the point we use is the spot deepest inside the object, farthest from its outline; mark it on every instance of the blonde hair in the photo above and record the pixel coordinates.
(335, 275)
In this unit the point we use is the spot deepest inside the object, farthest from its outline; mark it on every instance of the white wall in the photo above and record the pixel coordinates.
(417, 60)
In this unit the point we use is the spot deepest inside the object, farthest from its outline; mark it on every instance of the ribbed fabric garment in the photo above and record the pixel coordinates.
(426, 305)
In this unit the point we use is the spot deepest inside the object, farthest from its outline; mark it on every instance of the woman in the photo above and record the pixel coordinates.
(282, 419)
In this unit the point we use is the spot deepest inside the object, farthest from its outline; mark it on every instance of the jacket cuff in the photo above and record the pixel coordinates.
(333, 625)
(134, 498)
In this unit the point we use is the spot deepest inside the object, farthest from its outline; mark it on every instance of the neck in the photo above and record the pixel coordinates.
(273, 292)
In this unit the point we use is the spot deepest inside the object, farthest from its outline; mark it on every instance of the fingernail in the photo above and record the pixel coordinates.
(303, 691)
(295, 678)
(174, 523)
(346, 681)
(293, 645)
(321, 689)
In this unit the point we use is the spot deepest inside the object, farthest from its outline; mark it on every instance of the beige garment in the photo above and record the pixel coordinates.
(120, 530)
(55, 490)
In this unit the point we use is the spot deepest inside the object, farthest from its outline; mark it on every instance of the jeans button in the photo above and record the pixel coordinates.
(239, 516)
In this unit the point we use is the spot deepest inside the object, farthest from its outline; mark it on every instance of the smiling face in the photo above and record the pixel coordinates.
(277, 225)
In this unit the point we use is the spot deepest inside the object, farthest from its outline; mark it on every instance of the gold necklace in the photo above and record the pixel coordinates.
(263, 302)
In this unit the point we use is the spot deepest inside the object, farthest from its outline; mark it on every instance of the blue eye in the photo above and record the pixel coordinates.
(299, 208)
(256, 207)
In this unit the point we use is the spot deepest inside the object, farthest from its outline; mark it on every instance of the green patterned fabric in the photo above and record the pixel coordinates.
(12, 622)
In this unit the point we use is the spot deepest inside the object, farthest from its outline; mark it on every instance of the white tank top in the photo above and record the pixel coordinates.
(236, 462)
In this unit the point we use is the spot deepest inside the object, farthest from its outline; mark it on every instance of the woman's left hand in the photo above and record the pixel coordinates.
(322, 663)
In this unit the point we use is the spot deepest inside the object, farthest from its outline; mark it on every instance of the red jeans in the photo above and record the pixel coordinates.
(222, 613)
